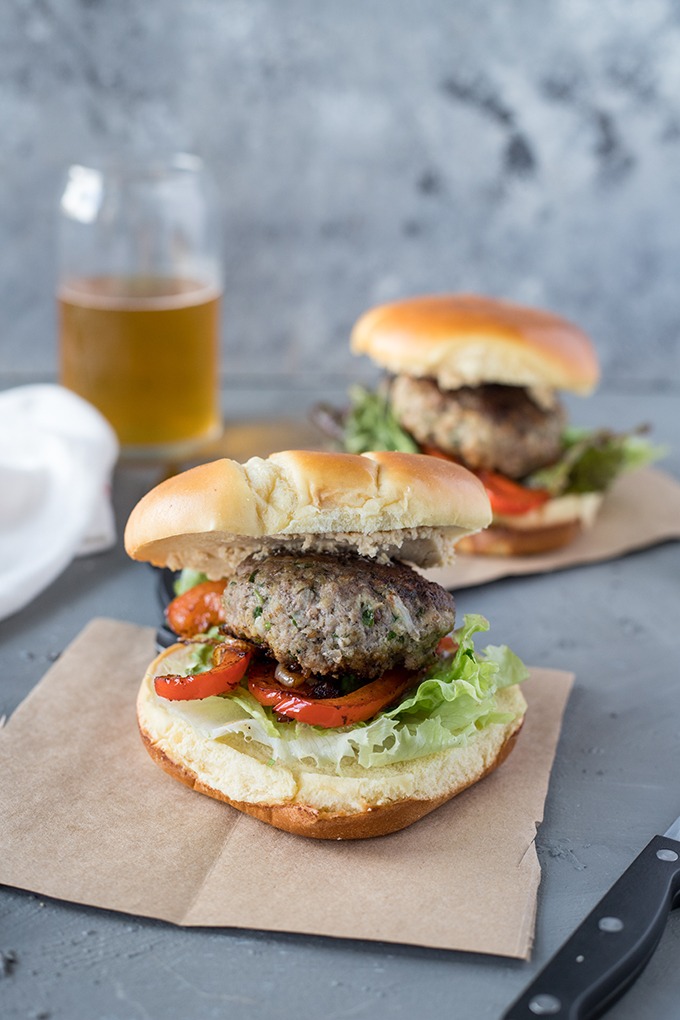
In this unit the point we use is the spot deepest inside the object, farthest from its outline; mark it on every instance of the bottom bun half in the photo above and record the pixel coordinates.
(555, 524)
(305, 800)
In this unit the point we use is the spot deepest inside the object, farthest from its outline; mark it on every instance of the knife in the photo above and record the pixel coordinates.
(613, 945)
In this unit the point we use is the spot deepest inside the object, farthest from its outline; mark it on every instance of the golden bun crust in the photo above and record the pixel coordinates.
(396, 504)
(309, 802)
(468, 340)
(555, 524)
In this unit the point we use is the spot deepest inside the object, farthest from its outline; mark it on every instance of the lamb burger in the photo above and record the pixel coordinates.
(319, 683)
(479, 380)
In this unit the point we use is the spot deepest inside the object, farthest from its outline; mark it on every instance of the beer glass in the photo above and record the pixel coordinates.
(139, 293)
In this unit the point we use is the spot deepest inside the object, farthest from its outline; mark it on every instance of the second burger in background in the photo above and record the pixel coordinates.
(477, 380)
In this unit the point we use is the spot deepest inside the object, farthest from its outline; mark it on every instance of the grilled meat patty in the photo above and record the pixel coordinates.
(330, 615)
(495, 427)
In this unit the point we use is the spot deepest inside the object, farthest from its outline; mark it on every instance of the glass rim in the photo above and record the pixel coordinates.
(138, 165)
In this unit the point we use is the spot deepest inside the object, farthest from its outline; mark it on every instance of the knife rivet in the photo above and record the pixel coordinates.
(545, 1005)
(667, 855)
(610, 924)
(580, 958)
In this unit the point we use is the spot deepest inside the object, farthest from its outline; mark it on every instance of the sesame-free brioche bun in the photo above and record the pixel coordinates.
(550, 526)
(469, 340)
(385, 505)
(308, 801)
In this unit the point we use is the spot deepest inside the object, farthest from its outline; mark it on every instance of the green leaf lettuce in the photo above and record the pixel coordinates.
(371, 425)
(593, 459)
(187, 579)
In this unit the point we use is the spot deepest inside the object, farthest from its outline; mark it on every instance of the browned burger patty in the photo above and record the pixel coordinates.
(329, 615)
(495, 427)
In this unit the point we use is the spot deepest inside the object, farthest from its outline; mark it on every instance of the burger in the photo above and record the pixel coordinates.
(478, 380)
(318, 682)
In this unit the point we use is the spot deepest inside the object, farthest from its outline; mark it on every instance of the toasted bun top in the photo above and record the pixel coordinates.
(467, 340)
(384, 504)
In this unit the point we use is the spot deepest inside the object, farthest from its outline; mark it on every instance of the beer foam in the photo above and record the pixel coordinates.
(108, 292)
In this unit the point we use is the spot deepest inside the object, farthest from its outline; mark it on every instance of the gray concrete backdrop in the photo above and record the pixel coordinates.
(366, 149)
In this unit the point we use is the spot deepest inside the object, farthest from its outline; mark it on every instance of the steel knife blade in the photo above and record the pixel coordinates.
(612, 946)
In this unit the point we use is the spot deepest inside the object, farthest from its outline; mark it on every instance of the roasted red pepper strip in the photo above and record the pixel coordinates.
(358, 706)
(506, 496)
(509, 497)
(232, 663)
(197, 609)
(447, 645)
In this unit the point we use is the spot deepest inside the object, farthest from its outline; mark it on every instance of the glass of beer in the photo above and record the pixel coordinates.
(139, 296)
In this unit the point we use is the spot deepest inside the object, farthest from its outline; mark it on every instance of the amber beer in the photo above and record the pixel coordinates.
(145, 351)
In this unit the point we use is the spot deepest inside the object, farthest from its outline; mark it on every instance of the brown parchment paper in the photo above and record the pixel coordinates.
(641, 509)
(88, 817)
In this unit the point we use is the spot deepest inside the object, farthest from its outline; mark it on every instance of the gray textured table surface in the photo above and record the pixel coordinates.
(615, 784)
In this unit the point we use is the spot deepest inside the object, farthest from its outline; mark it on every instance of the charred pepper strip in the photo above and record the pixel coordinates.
(358, 706)
(230, 664)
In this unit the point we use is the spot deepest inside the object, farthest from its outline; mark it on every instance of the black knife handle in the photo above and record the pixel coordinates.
(612, 946)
